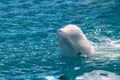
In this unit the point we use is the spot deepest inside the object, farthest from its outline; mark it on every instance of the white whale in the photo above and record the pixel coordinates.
(73, 42)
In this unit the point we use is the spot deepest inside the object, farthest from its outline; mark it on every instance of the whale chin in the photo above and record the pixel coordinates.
(73, 42)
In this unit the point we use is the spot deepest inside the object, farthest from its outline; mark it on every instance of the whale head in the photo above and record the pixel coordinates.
(73, 42)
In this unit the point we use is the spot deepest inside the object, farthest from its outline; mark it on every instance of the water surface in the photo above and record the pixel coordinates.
(29, 43)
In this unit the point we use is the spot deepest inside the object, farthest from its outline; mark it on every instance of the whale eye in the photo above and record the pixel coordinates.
(79, 53)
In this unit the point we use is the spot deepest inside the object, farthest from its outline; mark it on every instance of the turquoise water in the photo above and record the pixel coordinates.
(29, 43)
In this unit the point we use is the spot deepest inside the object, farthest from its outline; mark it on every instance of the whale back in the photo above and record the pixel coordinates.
(73, 42)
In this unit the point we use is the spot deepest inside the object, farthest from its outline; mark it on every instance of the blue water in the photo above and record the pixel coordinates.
(29, 42)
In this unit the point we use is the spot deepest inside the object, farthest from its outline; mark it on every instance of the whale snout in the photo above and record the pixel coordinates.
(60, 31)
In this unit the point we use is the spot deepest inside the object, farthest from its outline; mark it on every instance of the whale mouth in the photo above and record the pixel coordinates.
(68, 43)
(66, 39)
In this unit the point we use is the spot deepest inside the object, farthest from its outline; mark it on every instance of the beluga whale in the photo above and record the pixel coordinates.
(73, 42)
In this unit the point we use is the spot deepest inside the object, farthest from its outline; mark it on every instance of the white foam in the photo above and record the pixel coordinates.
(108, 45)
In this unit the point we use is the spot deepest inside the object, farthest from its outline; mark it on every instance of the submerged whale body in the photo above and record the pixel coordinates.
(73, 42)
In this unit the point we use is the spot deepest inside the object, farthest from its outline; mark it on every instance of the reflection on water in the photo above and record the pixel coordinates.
(99, 75)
